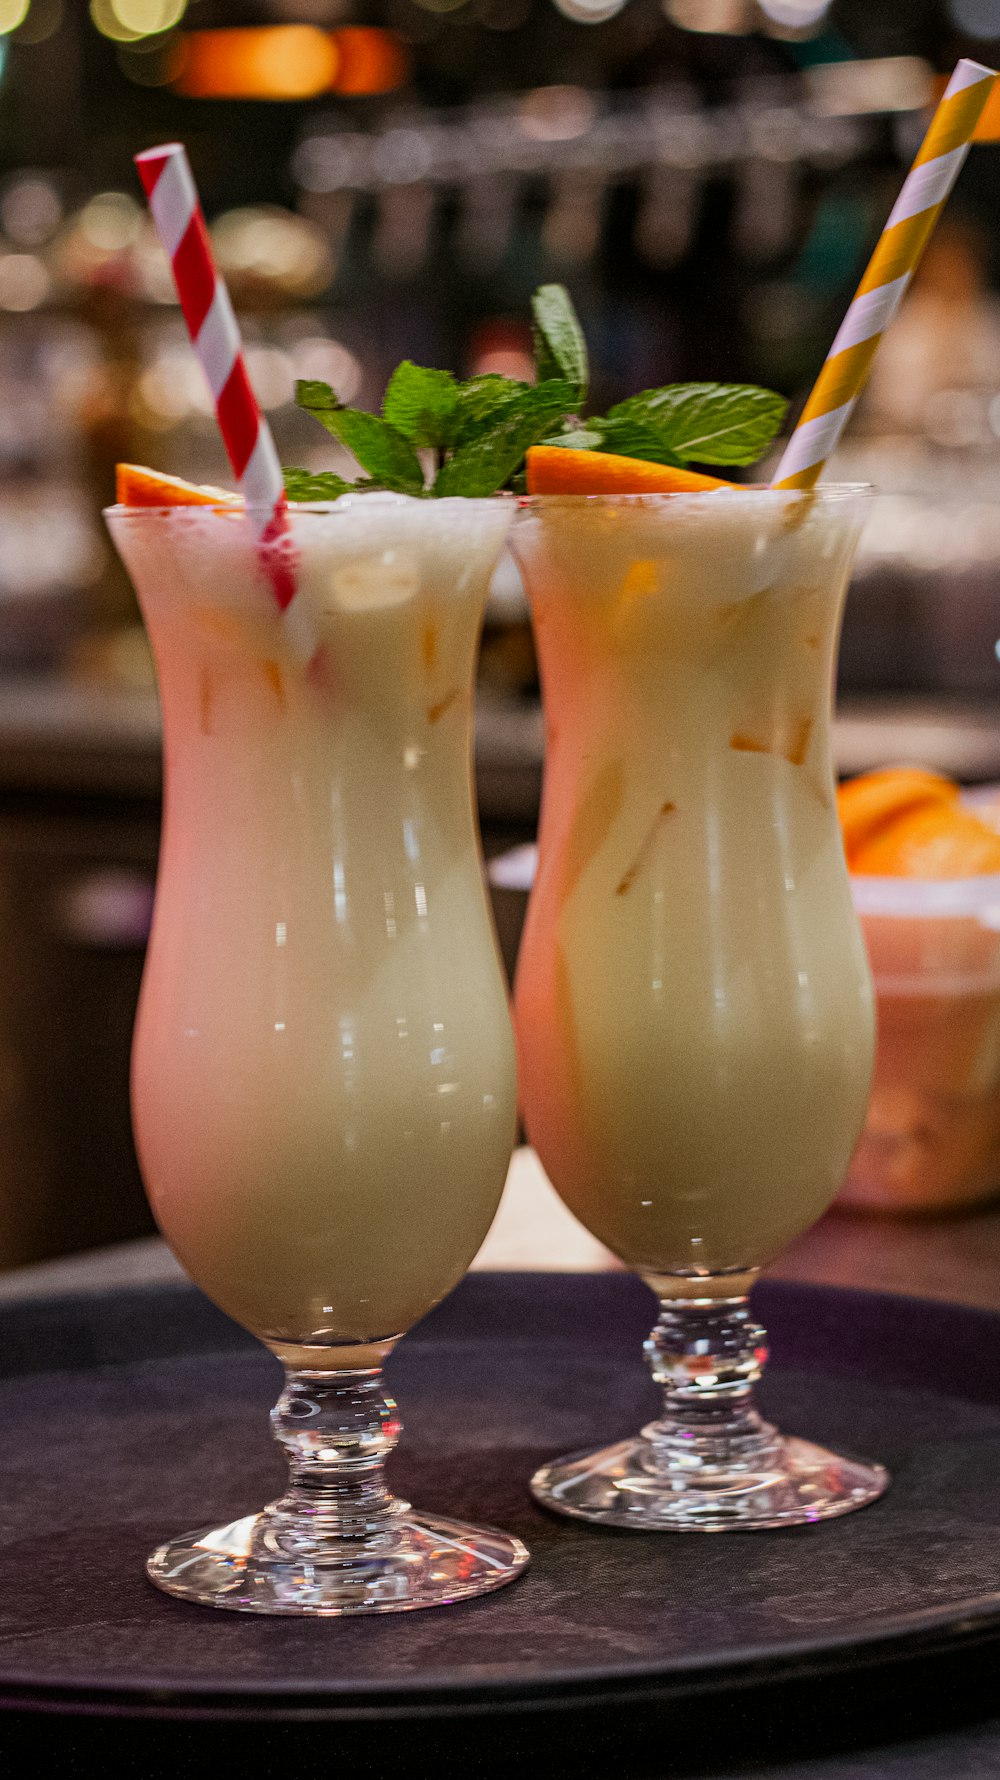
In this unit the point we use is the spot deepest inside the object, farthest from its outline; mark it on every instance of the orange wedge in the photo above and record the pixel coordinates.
(554, 469)
(870, 805)
(138, 487)
(935, 841)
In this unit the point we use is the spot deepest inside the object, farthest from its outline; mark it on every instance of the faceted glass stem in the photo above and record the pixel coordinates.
(337, 1541)
(336, 1431)
(710, 1462)
(707, 1354)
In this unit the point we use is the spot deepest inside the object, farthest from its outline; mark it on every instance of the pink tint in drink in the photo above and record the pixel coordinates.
(323, 1071)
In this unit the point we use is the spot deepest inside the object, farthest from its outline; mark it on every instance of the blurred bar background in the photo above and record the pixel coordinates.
(389, 179)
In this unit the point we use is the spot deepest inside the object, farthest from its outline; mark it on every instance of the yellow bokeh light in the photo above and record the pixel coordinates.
(147, 17)
(108, 22)
(126, 21)
(12, 14)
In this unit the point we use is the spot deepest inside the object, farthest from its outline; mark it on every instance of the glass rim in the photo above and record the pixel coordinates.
(824, 493)
(387, 497)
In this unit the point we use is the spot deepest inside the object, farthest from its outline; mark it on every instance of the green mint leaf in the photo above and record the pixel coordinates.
(560, 348)
(315, 397)
(378, 447)
(421, 405)
(589, 437)
(482, 402)
(710, 423)
(488, 461)
(633, 438)
(303, 485)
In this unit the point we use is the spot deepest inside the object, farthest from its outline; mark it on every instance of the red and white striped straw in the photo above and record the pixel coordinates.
(215, 336)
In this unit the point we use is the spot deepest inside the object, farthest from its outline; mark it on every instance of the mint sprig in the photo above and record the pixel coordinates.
(473, 436)
(303, 485)
(709, 423)
(388, 457)
(488, 460)
(421, 405)
(560, 348)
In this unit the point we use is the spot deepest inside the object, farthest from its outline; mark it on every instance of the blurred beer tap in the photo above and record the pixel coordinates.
(486, 220)
(571, 230)
(666, 214)
(403, 228)
(765, 211)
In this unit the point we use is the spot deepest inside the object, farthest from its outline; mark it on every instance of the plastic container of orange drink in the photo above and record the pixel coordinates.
(932, 1134)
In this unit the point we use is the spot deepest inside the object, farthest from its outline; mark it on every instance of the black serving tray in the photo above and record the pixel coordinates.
(130, 1415)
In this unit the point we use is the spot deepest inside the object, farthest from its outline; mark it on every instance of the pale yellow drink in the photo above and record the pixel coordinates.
(693, 1005)
(323, 1072)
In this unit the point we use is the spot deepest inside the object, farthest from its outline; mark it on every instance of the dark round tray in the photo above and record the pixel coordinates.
(128, 1416)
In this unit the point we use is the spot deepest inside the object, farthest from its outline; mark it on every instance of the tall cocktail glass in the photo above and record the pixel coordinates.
(323, 1071)
(693, 1005)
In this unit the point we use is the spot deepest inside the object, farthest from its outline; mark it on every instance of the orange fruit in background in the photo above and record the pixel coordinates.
(907, 822)
(555, 469)
(869, 804)
(135, 486)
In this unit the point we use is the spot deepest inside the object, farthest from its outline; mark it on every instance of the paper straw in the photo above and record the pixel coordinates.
(888, 273)
(215, 336)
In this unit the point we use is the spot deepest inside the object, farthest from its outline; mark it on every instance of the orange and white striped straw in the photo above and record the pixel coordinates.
(887, 275)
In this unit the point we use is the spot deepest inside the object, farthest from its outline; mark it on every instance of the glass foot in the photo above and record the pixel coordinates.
(417, 1561)
(780, 1483)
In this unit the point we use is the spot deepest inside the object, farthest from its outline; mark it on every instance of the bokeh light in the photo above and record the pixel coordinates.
(30, 210)
(727, 18)
(12, 14)
(24, 282)
(328, 361)
(257, 62)
(111, 221)
(980, 18)
(370, 61)
(588, 12)
(147, 17)
(796, 15)
(127, 21)
(557, 114)
(272, 374)
(43, 20)
(264, 245)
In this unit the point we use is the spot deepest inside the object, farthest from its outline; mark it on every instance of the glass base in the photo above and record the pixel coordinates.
(628, 1485)
(420, 1561)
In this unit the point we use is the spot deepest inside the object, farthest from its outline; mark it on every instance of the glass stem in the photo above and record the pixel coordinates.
(336, 1430)
(708, 1354)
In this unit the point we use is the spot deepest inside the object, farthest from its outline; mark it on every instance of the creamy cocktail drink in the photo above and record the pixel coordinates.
(693, 1006)
(323, 1069)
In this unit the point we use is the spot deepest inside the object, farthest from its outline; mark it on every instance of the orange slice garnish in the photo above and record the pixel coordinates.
(868, 806)
(555, 469)
(135, 486)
